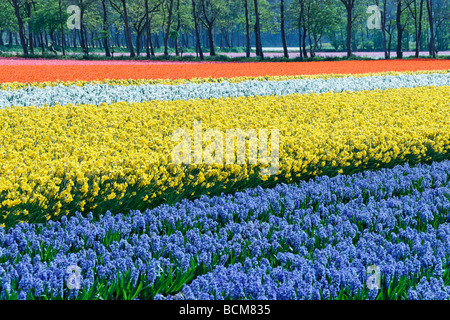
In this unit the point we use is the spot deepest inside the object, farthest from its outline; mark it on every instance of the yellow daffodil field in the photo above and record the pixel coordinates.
(93, 149)
(59, 159)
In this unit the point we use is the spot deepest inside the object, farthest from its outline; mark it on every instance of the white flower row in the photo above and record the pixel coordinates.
(97, 94)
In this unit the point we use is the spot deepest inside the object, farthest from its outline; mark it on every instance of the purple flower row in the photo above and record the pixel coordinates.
(309, 240)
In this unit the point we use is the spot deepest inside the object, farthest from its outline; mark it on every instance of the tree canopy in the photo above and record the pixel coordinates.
(139, 26)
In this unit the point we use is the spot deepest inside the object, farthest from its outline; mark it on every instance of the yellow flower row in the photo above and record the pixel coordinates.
(129, 82)
(53, 159)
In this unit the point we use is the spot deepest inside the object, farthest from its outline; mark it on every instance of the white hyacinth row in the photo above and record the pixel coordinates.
(100, 93)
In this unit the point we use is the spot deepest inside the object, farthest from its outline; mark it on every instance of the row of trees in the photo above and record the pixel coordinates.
(143, 24)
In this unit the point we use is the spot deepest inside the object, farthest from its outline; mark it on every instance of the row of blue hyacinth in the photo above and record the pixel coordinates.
(312, 240)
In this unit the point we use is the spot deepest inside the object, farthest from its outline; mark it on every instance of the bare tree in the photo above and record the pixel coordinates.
(247, 31)
(383, 26)
(148, 20)
(283, 33)
(197, 32)
(17, 5)
(177, 29)
(210, 11)
(62, 28)
(417, 16)
(122, 10)
(166, 34)
(300, 19)
(259, 51)
(399, 29)
(432, 47)
(139, 25)
(441, 18)
(402, 5)
(83, 41)
(30, 29)
(105, 29)
(349, 5)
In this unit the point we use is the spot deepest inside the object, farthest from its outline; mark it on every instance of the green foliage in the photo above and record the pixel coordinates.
(325, 22)
(7, 17)
(46, 16)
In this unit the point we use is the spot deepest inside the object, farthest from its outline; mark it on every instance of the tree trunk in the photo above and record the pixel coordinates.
(419, 30)
(10, 38)
(92, 36)
(283, 34)
(349, 30)
(30, 32)
(148, 38)
(197, 32)
(152, 49)
(177, 53)
(305, 53)
(157, 41)
(209, 31)
(300, 33)
(52, 37)
(83, 41)
(166, 35)
(311, 46)
(21, 27)
(41, 34)
(105, 29)
(212, 50)
(399, 29)
(30, 38)
(184, 40)
(62, 28)
(432, 47)
(383, 29)
(258, 54)
(138, 44)
(389, 45)
(127, 29)
(247, 31)
(100, 44)
(258, 32)
(74, 37)
(80, 37)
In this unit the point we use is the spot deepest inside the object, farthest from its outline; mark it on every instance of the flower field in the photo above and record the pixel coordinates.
(88, 179)
(57, 70)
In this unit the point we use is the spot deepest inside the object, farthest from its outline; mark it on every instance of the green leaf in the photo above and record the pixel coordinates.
(137, 291)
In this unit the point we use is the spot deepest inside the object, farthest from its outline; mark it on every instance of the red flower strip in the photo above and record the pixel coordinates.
(146, 70)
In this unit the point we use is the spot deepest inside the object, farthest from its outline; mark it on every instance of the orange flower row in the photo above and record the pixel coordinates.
(41, 73)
